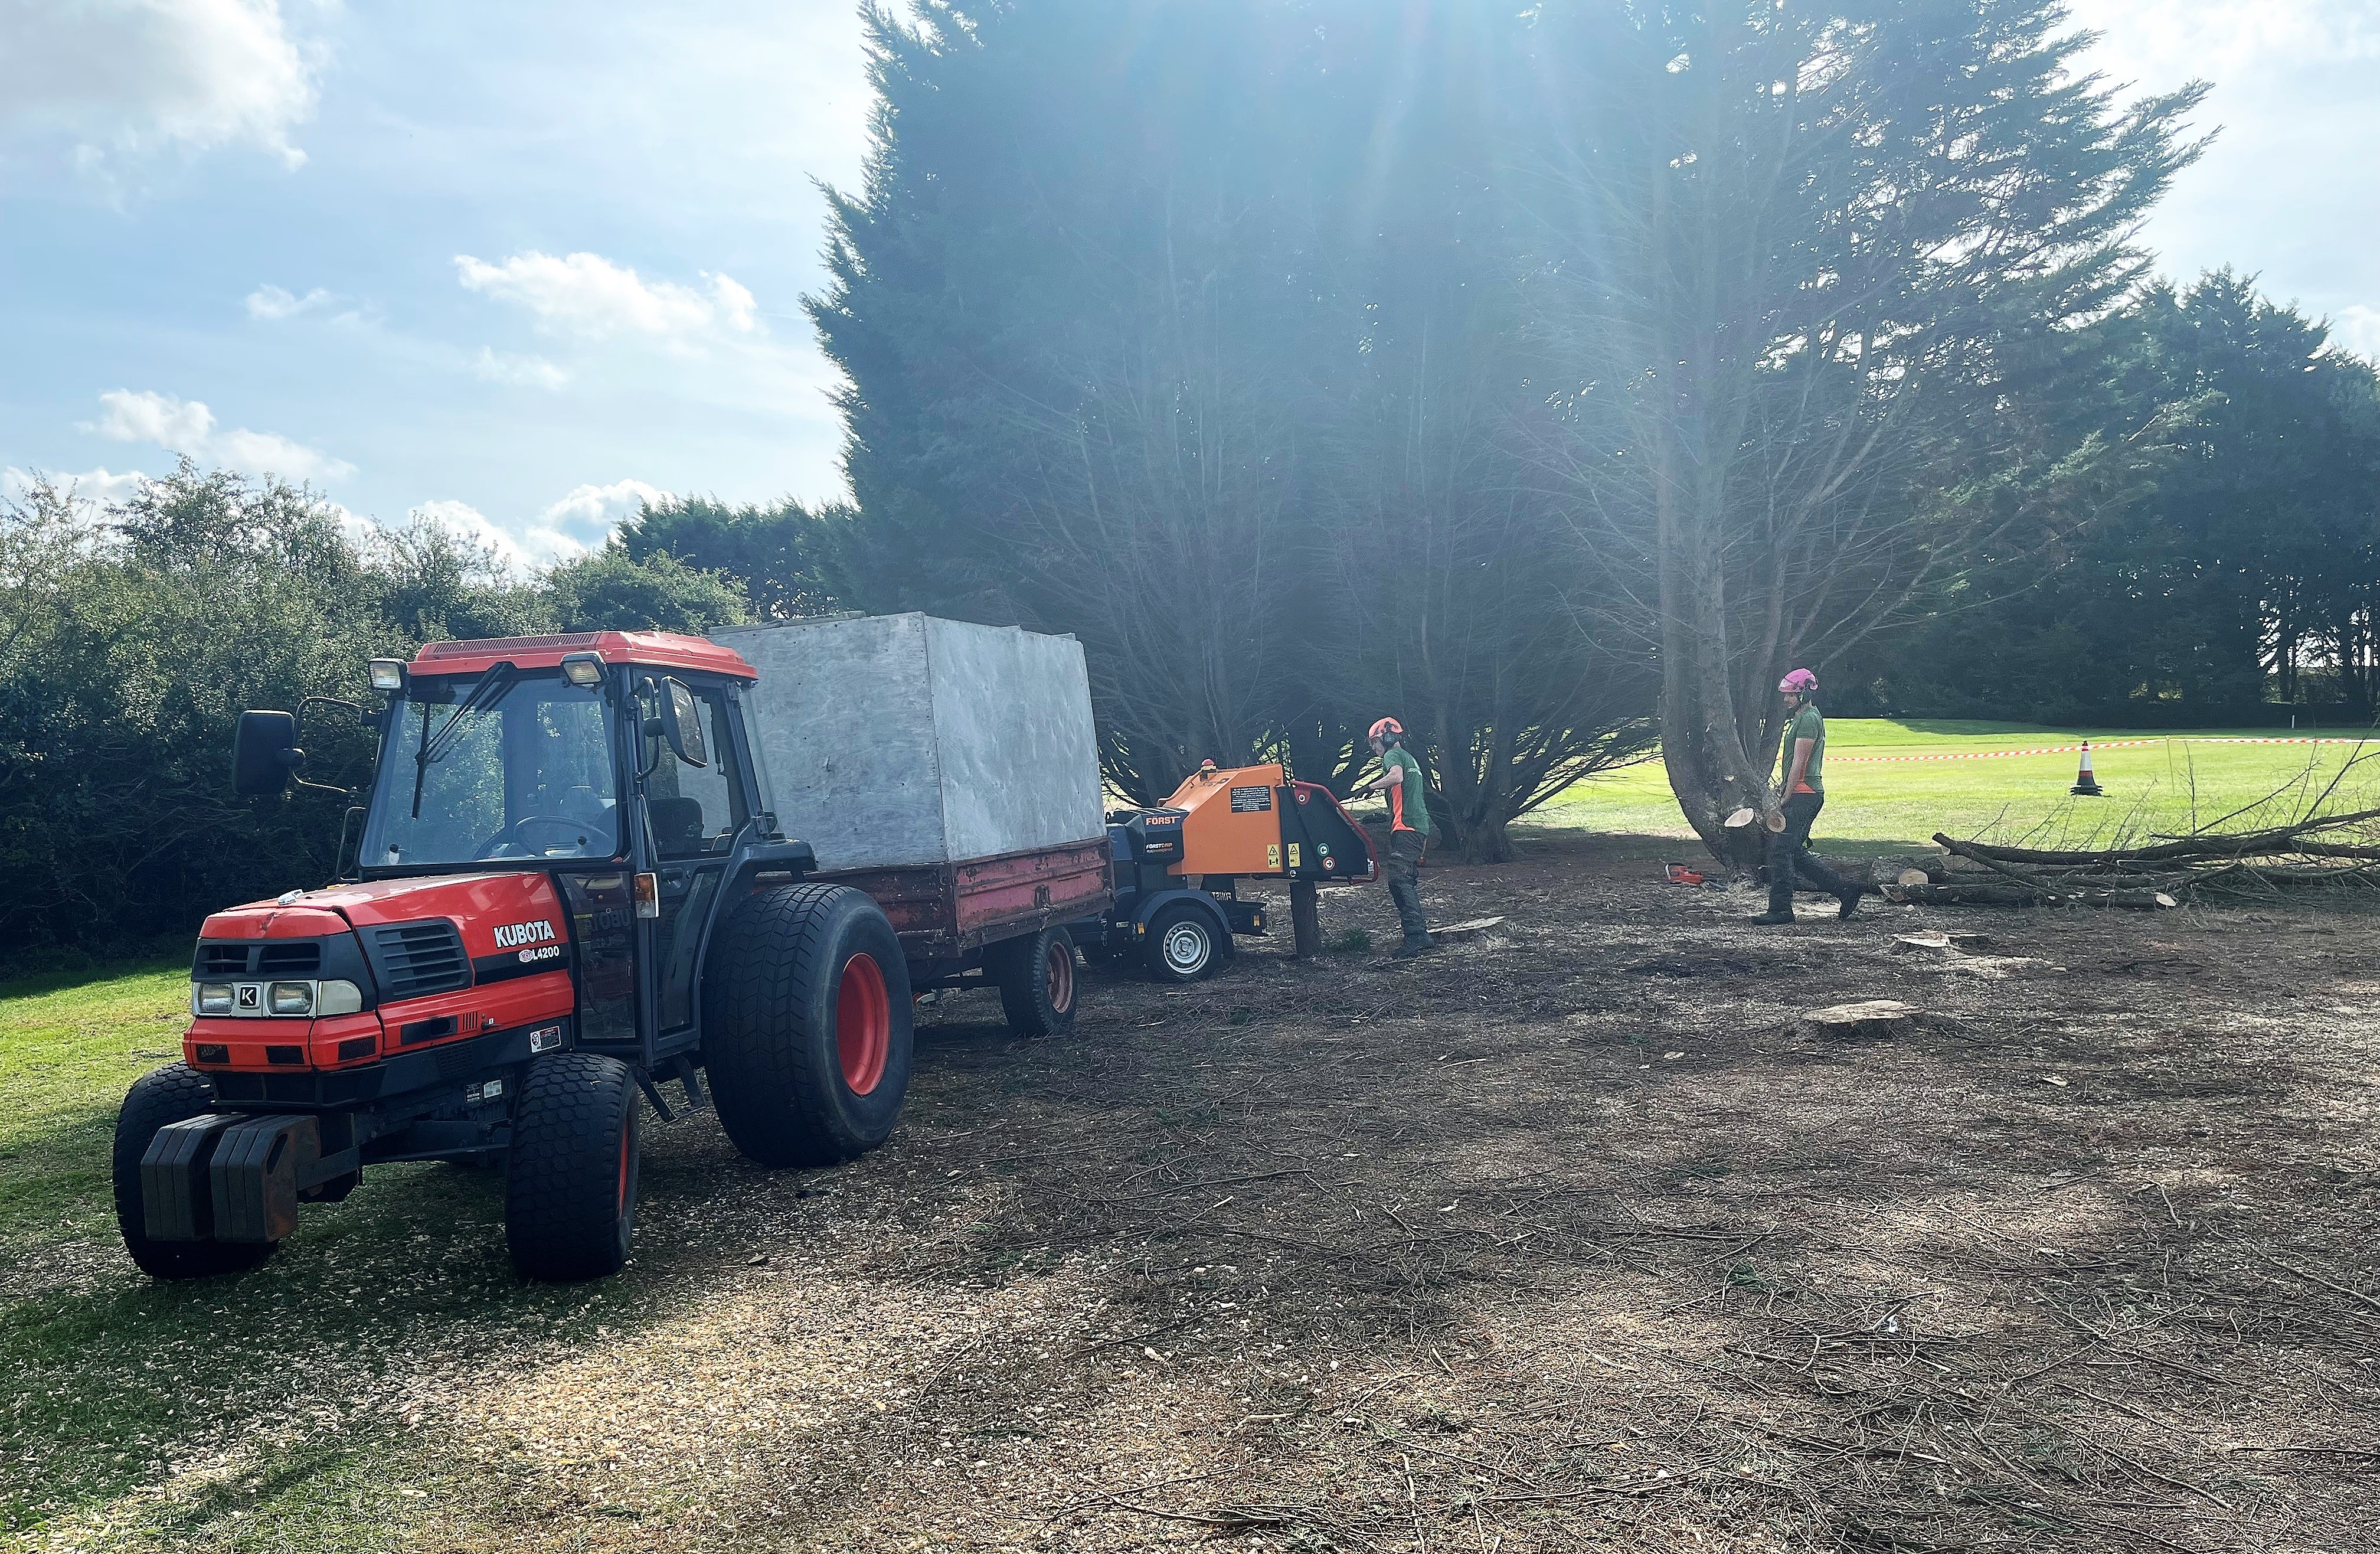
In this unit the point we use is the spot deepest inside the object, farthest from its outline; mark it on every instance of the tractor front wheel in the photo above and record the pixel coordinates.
(570, 1183)
(175, 1093)
(807, 1025)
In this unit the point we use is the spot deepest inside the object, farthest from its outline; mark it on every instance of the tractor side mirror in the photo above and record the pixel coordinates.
(682, 724)
(264, 753)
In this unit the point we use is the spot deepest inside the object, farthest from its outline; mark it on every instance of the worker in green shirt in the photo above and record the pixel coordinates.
(1802, 793)
(1401, 778)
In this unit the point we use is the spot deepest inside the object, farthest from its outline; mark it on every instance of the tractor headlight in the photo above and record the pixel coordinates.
(210, 997)
(387, 674)
(337, 998)
(291, 998)
(583, 669)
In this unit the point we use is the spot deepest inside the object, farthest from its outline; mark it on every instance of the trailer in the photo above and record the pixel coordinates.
(585, 874)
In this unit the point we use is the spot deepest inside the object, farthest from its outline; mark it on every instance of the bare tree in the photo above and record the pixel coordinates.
(1803, 261)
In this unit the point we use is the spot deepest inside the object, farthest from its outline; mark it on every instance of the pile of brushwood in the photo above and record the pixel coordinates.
(2323, 852)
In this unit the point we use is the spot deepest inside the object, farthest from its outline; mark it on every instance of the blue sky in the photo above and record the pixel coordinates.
(519, 265)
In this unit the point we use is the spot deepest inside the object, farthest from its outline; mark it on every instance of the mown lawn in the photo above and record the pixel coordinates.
(2154, 783)
(108, 1381)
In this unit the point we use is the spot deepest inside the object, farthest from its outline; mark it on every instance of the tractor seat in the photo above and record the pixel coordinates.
(677, 827)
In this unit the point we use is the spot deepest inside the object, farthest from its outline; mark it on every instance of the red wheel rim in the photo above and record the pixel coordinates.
(1058, 976)
(863, 1024)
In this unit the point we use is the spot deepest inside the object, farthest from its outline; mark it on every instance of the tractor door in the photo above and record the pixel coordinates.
(693, 815)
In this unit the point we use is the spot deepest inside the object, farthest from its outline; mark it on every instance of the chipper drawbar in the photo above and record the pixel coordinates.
(577, 885)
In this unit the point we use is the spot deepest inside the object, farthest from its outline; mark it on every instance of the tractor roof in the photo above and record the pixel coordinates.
(662, 649)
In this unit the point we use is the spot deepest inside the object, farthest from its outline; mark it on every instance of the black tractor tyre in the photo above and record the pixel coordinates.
(175, 1093)
(1039, 989)
(1185, 945)
(807, 1026)
(570, 1183)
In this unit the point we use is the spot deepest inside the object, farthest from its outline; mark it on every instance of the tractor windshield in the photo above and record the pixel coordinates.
(482, 768)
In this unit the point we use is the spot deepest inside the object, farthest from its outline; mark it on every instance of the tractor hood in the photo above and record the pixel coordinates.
(506, 925)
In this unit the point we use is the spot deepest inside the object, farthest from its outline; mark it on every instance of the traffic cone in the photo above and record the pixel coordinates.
(2085, 785)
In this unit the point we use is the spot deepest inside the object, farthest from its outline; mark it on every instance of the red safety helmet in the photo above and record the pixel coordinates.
(1387, 728)
(1800, 682)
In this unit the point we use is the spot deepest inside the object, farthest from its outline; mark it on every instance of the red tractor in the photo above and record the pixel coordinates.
(570, 889)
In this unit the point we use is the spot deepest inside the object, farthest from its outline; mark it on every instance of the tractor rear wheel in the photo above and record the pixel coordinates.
(175, 1093)
(807, 1024)
(1184, 945)
(570, 1183)
(1036, 975)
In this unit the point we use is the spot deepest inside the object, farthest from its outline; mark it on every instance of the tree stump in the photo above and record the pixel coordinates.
(1305, 918)
(1940, 944)
(1877, 1017)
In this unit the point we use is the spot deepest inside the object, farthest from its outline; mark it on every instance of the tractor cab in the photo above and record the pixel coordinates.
(606, 778)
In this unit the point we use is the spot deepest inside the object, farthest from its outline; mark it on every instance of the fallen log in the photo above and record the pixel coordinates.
(2024, 893)
(2270, 842)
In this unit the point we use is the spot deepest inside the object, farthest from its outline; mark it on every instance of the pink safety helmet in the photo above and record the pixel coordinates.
(1800, 682)
(1388, 728)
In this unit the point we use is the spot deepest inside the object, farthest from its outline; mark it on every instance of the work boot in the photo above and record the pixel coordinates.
(1772, 918)
(1413, 947)
(1850, 900)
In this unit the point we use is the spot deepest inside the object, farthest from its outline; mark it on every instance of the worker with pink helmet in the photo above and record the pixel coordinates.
(1801, 793)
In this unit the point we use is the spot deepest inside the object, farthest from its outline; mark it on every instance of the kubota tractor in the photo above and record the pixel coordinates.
(569, 890)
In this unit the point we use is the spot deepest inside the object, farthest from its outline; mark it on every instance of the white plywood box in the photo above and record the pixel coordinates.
(896, 740)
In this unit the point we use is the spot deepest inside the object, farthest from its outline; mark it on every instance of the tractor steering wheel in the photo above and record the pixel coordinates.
(504, 837)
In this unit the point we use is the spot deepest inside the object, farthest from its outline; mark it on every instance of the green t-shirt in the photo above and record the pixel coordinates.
(1408, 811)
(1807, 724)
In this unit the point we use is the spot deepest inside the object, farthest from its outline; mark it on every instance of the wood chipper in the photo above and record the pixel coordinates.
(1178, 865)
(598, 865)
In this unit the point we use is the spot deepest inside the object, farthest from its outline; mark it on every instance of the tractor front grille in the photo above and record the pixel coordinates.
(414, 959)
(227, 959)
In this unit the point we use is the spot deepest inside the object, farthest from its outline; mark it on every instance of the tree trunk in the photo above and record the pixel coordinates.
(1305, 918)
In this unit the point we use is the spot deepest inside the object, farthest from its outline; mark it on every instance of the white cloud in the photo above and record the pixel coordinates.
(119, 78)
(521, 371)
(579, 523)
(102, 486)
(2357, 328)
(187, 426)
(272, 304)
(177, 425)
(587, 294)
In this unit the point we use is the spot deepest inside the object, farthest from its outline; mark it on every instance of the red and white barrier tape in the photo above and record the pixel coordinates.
(2071, 749)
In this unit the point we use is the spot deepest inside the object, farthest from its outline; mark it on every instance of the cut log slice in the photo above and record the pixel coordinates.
(1941, 944)
(1875, 1017)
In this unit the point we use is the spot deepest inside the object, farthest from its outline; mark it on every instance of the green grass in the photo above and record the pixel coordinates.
(2178, 781)
(109, 1381)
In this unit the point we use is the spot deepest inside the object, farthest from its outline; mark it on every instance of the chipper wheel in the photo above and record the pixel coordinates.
(175, 1093)
(570, 1183)
(806, 1026)
(1035, 974)
(1184, 945)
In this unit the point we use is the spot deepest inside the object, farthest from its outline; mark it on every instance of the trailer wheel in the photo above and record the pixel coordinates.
(1182, 944)
(807, 1026)
(570, 1184)
(1038, 987)
(175, 1093)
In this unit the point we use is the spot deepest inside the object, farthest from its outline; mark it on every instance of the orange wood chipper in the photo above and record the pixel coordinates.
(1178, 865)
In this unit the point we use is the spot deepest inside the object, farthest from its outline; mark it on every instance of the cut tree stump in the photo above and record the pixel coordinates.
(1880, 1016)
(1965, 943)
(1304, 919)
(1471, 930)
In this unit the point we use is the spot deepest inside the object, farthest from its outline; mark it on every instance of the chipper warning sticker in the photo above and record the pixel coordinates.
(1248, 801)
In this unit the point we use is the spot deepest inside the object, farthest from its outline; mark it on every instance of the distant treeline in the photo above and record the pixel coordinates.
(131, 639)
